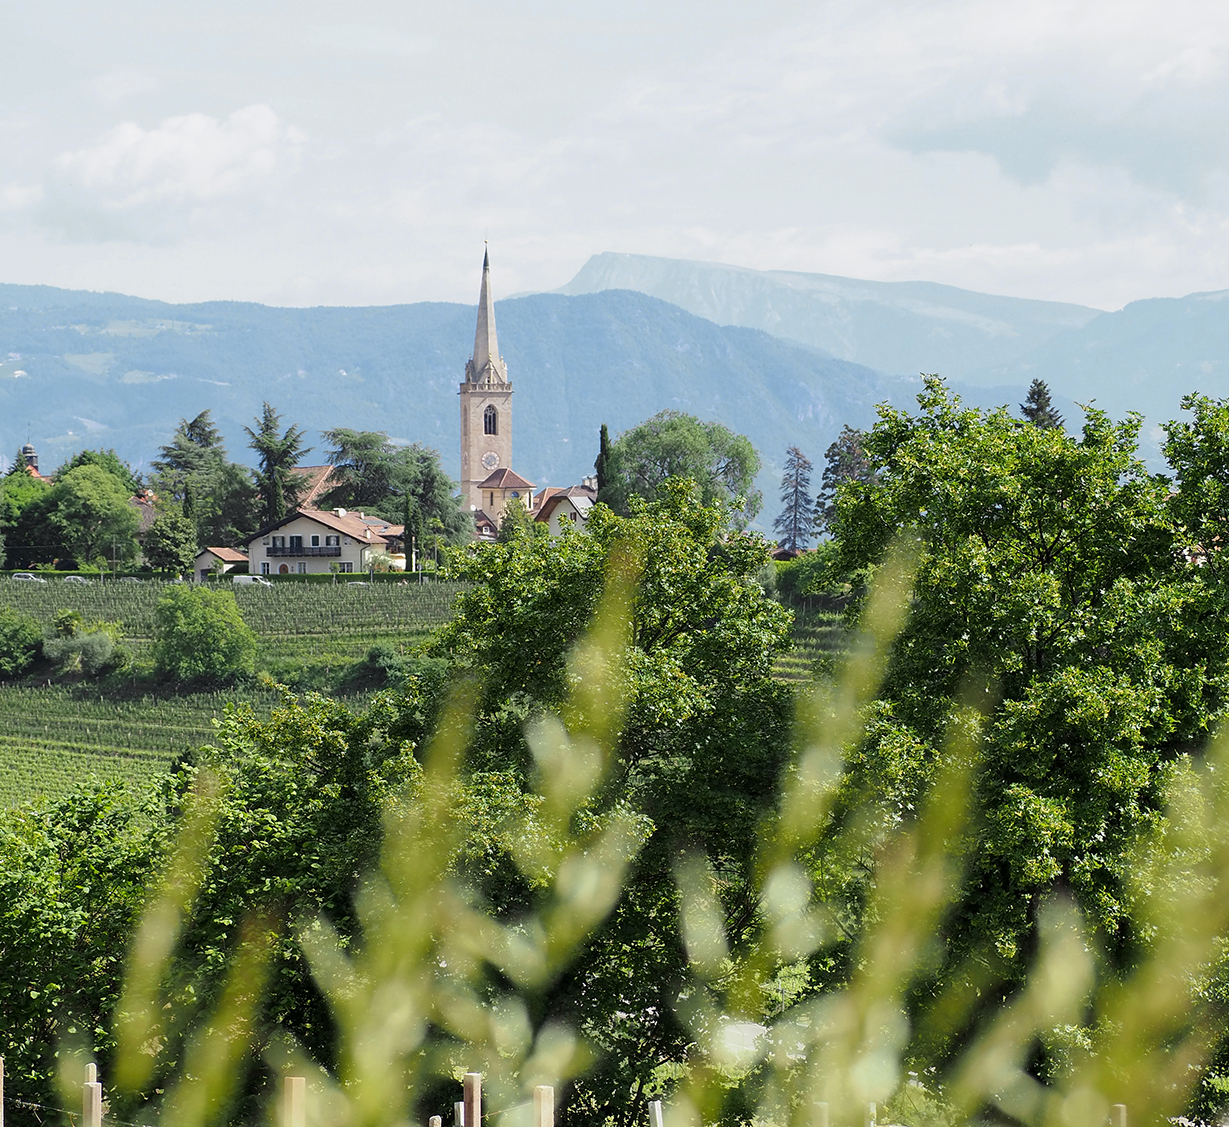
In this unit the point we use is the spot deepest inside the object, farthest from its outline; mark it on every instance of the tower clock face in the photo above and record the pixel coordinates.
(490, 460)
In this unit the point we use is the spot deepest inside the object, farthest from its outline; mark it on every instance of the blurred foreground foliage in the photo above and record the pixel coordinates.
(979, 875)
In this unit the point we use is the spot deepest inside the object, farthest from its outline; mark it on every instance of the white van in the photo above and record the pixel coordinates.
(251, 581)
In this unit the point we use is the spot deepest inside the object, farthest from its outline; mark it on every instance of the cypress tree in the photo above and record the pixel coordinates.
(603, 454)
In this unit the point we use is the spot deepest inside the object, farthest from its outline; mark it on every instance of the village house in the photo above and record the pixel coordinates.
(564, 508)
(319, 541)
(220, 561)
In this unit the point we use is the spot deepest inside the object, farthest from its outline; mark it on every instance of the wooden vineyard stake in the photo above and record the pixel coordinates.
(91, 1098)
(656, 1119)
(434, 1121)
(821, 1115)
(1118, 1116)
(473, 1099)
(543, 1106)
(294, 1102)
(458, 1111)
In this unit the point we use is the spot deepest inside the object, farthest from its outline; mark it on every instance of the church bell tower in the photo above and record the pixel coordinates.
(486, 403)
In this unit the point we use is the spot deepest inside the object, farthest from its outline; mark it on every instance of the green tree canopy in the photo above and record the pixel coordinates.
(21, 640)
(698, 753)
(671, 444)
(375, 475)
(89, 509)
(23, 517)
(277, 486)
(200, 635)
(1047, 565)
(108, 460)
(170, 543)
(844, 461)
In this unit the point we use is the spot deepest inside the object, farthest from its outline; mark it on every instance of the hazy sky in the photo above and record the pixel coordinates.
(359, 153)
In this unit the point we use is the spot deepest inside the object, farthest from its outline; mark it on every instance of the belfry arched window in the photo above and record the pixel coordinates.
(490, 421)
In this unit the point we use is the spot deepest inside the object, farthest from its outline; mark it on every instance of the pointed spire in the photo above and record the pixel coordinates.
(486, 365)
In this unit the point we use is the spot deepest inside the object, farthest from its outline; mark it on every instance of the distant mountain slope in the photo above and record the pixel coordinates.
(1143, 358)
(107, 370)
(903, 327)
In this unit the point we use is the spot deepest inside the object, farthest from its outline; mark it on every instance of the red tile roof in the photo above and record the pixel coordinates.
(506, 479)
(319, 482)
(226, 555)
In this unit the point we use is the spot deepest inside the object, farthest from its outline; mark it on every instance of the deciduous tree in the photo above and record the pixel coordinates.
(89, 509)
(170, 543)
(844, 461)
(1047, 566)
(671, 444)
(200, 635)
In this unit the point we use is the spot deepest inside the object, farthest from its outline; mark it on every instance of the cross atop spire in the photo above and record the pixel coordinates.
(486, 365)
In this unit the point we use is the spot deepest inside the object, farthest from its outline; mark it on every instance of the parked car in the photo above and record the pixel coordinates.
(131, 579)
(26, 577)
(358, 583)
(251, 581)
(78, 580)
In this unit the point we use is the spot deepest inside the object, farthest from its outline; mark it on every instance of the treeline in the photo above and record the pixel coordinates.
(633, 859)
(95, 511)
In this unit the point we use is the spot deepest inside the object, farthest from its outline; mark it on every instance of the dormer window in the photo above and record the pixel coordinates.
(490, 420)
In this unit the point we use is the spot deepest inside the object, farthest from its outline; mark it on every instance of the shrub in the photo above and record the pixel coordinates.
(199, 635)
(21, 641)
(91, 651)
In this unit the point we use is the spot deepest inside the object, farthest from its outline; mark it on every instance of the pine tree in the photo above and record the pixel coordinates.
(1038, 409)
(845, 460)
(797, 519)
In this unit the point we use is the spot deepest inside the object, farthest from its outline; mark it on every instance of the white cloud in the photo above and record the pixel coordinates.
(192, 157)
(189, 174)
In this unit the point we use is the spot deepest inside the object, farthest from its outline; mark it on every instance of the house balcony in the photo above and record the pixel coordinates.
(300, 550)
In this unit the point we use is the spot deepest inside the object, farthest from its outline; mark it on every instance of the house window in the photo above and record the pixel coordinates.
(492, 501)
(279, 541)
(490, 421)
(347, 567)
(296, 543)
(264, 567)
(302, 569)
(332, 541)
(315, 541)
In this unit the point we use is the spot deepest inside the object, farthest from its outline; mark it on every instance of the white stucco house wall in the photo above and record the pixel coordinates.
(319, 541)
